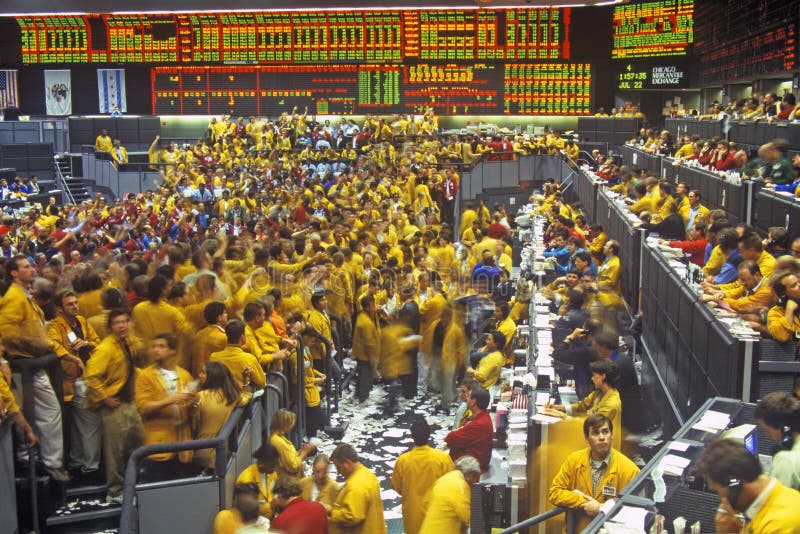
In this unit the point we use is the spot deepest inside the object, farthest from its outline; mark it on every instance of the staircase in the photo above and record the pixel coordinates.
(75, 190)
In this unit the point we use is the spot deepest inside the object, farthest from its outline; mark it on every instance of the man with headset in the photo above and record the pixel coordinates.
(735, 475)
(778, 413)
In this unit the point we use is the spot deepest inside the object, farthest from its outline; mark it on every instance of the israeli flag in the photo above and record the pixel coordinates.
(111, 90)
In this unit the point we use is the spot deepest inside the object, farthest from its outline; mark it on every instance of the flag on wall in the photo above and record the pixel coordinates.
(111, 89)
(9, 92)
(58, 92)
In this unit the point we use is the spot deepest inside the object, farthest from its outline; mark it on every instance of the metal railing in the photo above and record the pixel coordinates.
(61, 181)
(223, 444)
(535, 520)
(27, 367)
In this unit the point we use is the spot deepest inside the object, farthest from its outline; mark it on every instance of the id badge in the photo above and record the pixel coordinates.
(609, 491)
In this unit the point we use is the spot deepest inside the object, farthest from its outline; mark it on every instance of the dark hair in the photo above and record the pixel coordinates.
(607, 338)
(728, 239)
(116, 312)
(596, 420)
(499, 338)
(112, 298)
(287, 487)
(366, 301)
(607, 368)
(481, 396)
(156, 287)
(218, 376)
(212, 311)
(247, 488)
(10, 266)
(724, 460)
(344, 452)
(420, 431)
(750, 265)
(251, 311)
(316, 297)
(751, 241)
(234, 330)
(779, 409)
(504, 308)
(172, 341)
(266, 453)
(61, 295)
(575, 299)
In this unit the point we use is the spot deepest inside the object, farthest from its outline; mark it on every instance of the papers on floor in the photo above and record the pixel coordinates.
(389, 495)
(394, 433)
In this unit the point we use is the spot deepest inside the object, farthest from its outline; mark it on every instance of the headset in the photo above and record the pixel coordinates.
(734, 490)
(787, 441)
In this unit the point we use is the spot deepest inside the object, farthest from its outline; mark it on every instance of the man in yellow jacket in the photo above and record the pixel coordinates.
(366, 346)
(736, 476)
(262, 473)
(577, 485)
(415, 473)
(358, 508)
(244, 367)
(449, 505)
(111, 379)
(163, 397)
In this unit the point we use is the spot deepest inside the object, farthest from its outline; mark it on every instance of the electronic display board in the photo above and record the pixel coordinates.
(758, 38)
(654, 28)
(452, 88)
(653, 75)
(308, 37)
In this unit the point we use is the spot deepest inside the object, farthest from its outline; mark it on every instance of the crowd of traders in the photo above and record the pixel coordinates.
(167, 309)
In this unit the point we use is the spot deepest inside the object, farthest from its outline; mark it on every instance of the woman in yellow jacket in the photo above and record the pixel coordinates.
(163, 398)
(217, 398)
(603, 400)
(290, 460)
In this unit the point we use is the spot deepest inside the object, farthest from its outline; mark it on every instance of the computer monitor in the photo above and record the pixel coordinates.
(746, 434)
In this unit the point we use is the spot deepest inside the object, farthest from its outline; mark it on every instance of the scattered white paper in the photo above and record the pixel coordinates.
(678, 446)
(389, 495)
(390, 514)
(630, 517)
(544, 419)
(394, 433)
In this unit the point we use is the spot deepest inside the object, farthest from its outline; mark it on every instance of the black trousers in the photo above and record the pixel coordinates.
(315, 420)
(364, 384)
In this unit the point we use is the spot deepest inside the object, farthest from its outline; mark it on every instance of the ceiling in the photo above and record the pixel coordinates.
(18, 7)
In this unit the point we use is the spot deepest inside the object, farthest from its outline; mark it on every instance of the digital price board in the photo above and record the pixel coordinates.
(636, 76)
(654, 28)
(452, 88)
(306, 37)
(758, 38)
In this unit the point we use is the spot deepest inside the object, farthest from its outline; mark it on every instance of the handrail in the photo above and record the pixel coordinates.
(284, 381)
(128, 520)
(544, 516)
(328, 375)
(300, 401)
(27, 367)
(61, 182)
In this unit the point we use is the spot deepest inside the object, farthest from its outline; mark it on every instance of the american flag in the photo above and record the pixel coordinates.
(9, 95)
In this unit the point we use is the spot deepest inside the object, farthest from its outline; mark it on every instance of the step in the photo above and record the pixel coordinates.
(72, 514)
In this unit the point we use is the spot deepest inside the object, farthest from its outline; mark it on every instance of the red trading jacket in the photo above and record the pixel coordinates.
(473, 439)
